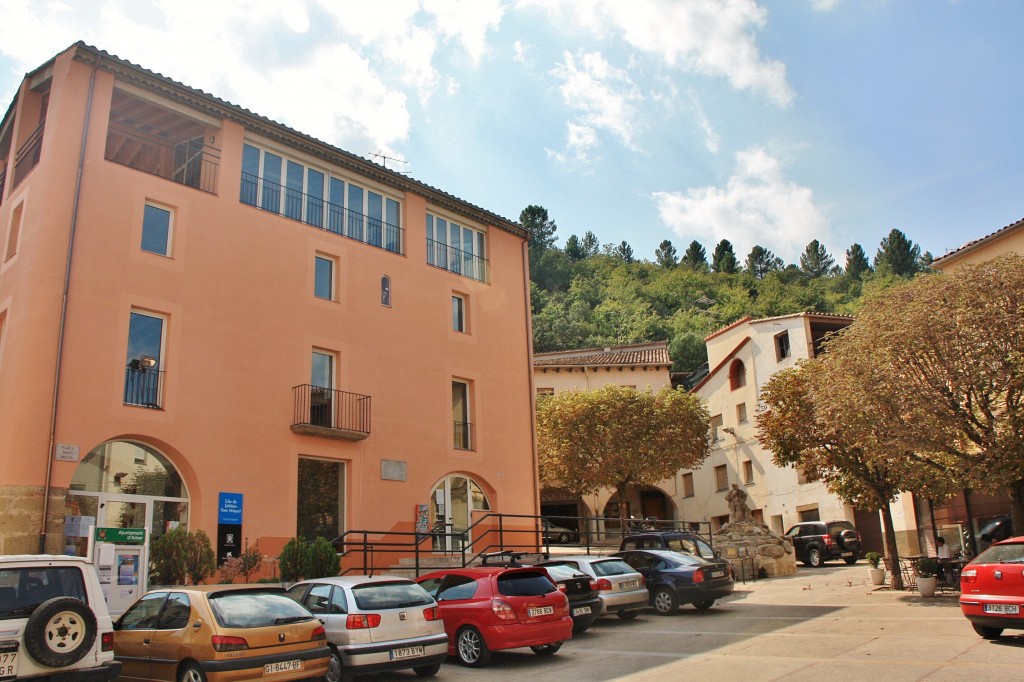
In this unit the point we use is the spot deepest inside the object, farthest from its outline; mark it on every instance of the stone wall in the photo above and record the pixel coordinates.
(751, 547)
(20, 510)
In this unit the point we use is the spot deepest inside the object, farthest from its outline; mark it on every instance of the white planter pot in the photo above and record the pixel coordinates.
(926, 586)
(877, 576)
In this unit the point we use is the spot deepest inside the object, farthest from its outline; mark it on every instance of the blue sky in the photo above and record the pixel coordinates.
(765, 123)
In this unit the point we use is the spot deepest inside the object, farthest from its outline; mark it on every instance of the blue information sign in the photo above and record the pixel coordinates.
(229, 508)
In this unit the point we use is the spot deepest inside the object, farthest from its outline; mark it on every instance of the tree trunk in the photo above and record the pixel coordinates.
(890, 544)
(620, 495)
(1017, 506)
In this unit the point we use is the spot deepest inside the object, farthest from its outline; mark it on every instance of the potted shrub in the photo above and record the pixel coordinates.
(927, 569)
(876, 574)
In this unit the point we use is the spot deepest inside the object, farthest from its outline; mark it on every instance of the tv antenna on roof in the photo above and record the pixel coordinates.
(378, 155)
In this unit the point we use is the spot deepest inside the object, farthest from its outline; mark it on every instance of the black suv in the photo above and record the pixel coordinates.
(678, 540)
(816, 542)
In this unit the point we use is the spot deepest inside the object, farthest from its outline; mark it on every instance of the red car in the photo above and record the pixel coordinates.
(992, 589)
(488, 608)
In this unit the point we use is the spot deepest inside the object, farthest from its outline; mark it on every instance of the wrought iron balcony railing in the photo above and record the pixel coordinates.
(458, 261)
(29, 153)
(330, 413)
(3, 182)
(318, 212)
(143, 386)
(144, 147)
(463, 435)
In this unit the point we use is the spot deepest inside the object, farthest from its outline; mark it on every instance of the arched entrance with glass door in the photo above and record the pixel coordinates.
(452, 503)
(123, 484)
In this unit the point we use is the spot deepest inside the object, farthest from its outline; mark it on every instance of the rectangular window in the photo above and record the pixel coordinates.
(741, 413)
(809, 515)
(462, 429)
(782, 350)
(801, 476)
(721, 478)
(323, 277)
(688, 485)
(456, 248)
(321, 398)
(748, 472)
(321, 499)
(144, 370)
(156, 230)
(716, 427)
(545, 391)
(458, 313)
(13, 232)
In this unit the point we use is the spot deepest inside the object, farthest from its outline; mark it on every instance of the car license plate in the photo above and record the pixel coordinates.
(281, 667)
(630, 584)
(581, 611)
(1008, 609)
(406, 652)
(717, 574)
(540, 611)
(8, 660)
(847, 553)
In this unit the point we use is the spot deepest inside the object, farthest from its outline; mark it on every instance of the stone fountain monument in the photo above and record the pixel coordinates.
(753, 549)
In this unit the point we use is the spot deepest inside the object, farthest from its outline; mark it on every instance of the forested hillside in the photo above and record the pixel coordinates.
(586, 294)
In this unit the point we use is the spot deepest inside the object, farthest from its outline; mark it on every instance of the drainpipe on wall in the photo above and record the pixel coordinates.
(529, 363)
(50, 450)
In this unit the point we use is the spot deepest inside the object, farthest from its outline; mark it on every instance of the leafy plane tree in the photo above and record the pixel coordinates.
(615, 437)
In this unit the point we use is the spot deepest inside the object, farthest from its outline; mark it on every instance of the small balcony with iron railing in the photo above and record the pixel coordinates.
(28, 154)
(320, 213)
(154, 140)
(329, 413)
(456, 260)
(143, 384)
(463, 435)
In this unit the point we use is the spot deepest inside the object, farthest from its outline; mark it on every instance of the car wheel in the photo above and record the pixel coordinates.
(564, 538)
(334, 668)
(61, 631)
(850, 560)
(704, 605)
(628, 615)
(546, 649)
(665, 602)
(427, 670)
(471, 648)
(987, 632)
(191, 672)
(815, 558)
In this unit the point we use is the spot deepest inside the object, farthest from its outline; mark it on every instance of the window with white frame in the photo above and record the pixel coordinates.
(156, 229)
(461, 428)
(457, 248)
(782, 349)
(143, 381)
(741, 413)
(323, 277)
(321, 396)
(320, 198)
(458, 313)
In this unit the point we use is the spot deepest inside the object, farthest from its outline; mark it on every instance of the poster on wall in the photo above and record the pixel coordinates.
(128, 569)
(422, 521)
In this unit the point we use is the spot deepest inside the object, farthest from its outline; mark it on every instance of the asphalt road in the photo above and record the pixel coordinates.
(820, 624)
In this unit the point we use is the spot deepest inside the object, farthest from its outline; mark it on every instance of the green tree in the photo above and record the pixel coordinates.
(898, 256)
(695, 258)
(761, 261)
(294, 560)
(616, 437)
(542, 229)
(201, 560)
(624, 251)
(590, 244)
(323, 559)
(724, 259)
(815, 261)
(666, 255)
(856, 262)
(574, 249)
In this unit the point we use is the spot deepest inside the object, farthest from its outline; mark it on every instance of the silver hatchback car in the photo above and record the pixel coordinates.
(620, 588)
(375, 624)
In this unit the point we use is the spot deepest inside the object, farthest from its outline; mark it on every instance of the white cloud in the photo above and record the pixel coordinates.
(603, 98)
(824, 5)
(712, 141)
(757, 206)
(519, 52)
(467, 21)
(711, 37)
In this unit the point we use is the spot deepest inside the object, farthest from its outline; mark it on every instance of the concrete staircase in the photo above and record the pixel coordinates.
(406, 568)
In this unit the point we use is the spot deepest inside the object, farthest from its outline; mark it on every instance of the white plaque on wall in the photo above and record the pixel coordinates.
(66, 453)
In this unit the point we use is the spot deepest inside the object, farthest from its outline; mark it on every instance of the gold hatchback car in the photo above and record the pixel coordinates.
(219, 633)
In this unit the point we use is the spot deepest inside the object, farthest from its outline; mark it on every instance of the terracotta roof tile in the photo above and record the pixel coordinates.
(974, 242)
(654, 355)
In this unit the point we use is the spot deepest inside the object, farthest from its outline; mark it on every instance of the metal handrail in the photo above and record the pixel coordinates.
(28, 155)
(144, 147)
(454, 259)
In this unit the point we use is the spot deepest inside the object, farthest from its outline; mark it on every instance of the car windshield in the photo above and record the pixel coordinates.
(1011, 553)
(525, 584)
(23, 589)
(396, 595)
(251, 609)
(611, 567)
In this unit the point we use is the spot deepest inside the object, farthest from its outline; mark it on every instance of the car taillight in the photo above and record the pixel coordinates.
(969, 575)
(562, 588)
(502, 609)
(318, 634)
(228, 643)
(362, 621)
(563, 609)
(698, 576)
(643, 583)
(107, 641)
(432, 613)
(828, 540)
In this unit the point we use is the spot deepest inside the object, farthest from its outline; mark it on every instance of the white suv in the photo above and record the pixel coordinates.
(54, 621)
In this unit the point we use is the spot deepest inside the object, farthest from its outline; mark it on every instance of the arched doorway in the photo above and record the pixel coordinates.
(123, 484)
(452, 503)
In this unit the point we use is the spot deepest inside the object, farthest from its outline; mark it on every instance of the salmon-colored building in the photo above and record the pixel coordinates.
(210, 319)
